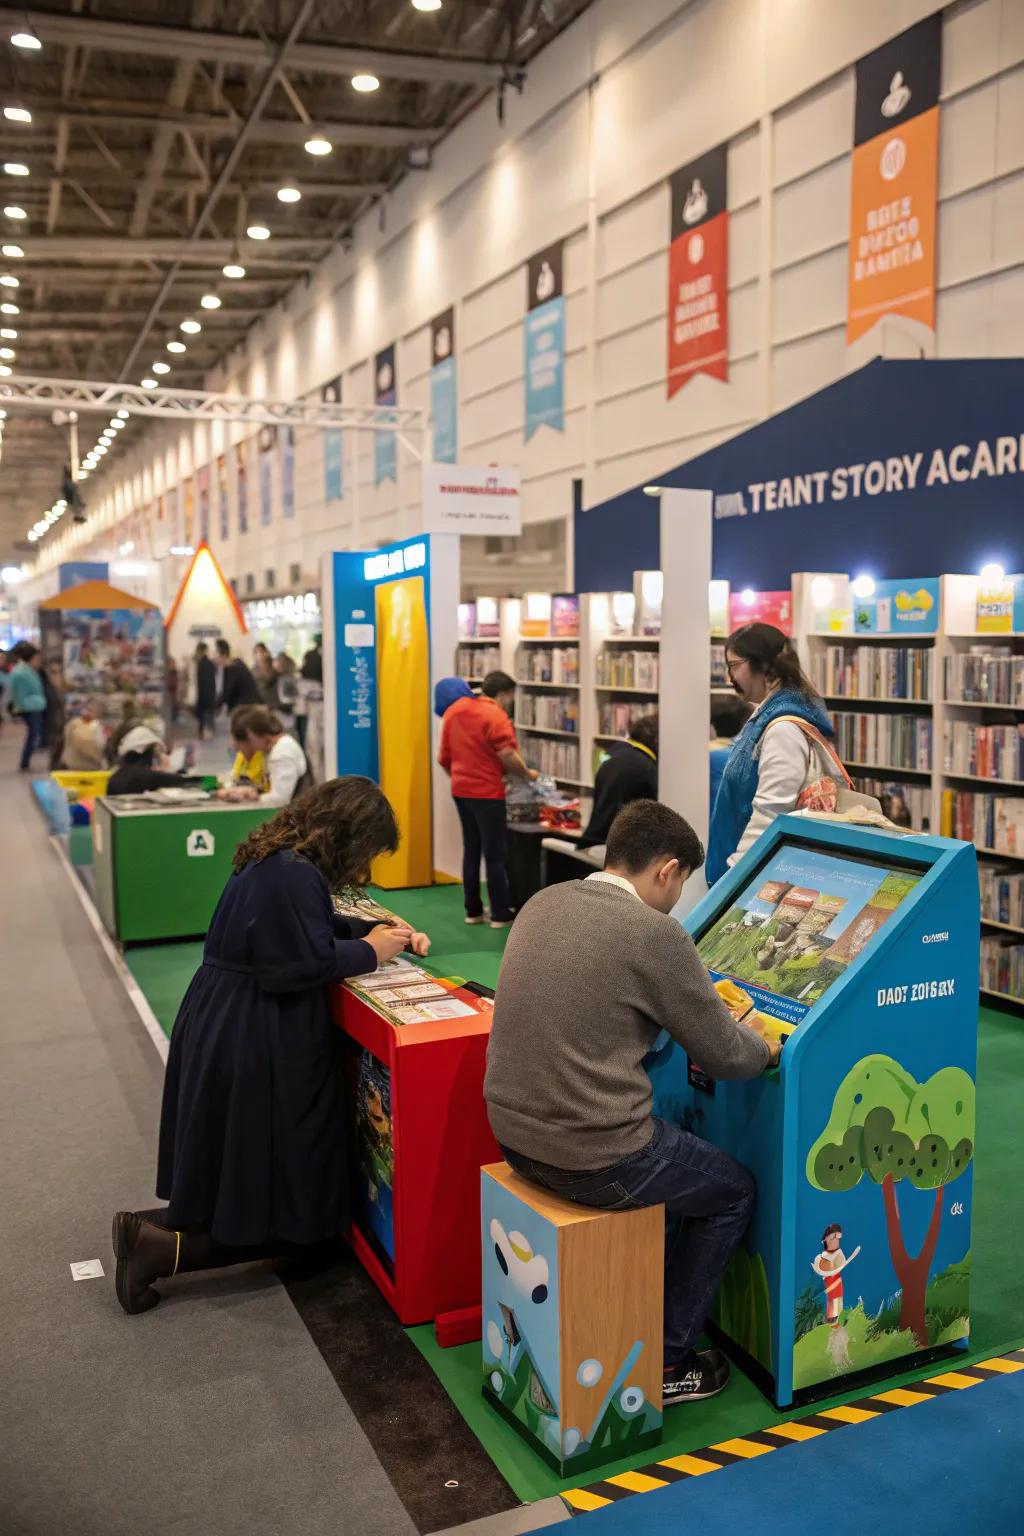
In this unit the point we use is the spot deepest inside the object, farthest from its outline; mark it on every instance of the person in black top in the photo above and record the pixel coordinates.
(630, 773)
(313, 662)
(142, 765)
(205, 706)
(238, 686)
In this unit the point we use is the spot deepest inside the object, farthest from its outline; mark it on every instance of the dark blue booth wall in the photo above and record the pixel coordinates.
(900, 469)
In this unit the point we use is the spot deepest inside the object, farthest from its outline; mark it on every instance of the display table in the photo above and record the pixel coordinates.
(159, 869)
(422, 1136)
(524, 858)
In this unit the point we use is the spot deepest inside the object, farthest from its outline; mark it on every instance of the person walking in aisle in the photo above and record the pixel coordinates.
(478, 749)
(773, 759)
(237, 684)
(205, 706)
(254, 1157)
(28, 699)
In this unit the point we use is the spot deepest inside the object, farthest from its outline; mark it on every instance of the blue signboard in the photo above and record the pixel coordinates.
(544, 342)
(288, 472)
(443, 396)
(385, 444)
(330, 394)
(899, 608)
(75, 571)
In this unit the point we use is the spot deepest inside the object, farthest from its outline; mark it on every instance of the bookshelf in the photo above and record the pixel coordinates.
(546, 667)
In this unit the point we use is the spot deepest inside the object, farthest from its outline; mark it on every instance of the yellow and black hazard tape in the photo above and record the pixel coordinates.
(797, 1431)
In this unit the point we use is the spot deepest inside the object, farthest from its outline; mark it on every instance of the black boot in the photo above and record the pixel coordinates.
(145, 1252)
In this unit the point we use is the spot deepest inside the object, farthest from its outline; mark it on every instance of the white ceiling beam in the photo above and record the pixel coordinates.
(124, 248)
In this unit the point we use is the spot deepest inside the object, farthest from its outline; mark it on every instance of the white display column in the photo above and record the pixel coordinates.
(685, 676)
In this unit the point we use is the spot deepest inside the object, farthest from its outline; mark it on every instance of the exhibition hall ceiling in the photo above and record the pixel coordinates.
(191, 160)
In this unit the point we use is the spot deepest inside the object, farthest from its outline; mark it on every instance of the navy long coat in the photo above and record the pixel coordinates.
(254, 1132)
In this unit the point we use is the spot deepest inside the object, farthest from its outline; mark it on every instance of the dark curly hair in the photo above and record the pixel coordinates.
(340, 826)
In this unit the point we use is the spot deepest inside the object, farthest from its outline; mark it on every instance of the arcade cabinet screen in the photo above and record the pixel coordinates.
(792, 932)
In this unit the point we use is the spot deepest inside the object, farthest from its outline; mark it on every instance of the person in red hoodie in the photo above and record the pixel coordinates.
(478, 750)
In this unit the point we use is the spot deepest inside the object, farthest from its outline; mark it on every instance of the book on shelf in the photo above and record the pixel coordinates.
(719, 676)
(558, 759)
(477, 660)
(989, 821)
(984, 751)
(908, 805)
(891, 741)
(985, 675)
(618, 719)
(1002, 965)
(620, 668)
(549, 664)
(874, 672)
(1002, 894)
(551, 711)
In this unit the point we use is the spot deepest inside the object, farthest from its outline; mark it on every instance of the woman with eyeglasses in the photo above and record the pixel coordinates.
(772, 760)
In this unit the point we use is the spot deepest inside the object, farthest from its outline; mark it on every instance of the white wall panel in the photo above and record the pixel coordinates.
(814, 129)
(812, 214)
(967, 140)
(744, 244)
(807, 365)
(809, 296)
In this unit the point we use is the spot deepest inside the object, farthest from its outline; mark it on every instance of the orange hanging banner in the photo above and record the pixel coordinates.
(698, 271)
(894, 181)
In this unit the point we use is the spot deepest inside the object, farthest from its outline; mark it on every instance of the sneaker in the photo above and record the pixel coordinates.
(704, 1373)
(474, 922)
(501, 922)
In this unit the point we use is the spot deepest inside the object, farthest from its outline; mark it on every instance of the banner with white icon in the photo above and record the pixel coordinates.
(223, 514)
(203, 498)
(267, 450)
(894, 181)
(544, 341)
(287, 441)
(242, 484)
(443, 397)
(330, 394)
(698, 271)
(385, 392)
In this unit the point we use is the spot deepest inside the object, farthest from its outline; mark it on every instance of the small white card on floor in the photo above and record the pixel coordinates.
(87, 1269)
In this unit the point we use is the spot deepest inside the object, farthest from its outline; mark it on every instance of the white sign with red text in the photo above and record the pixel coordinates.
(469, 498)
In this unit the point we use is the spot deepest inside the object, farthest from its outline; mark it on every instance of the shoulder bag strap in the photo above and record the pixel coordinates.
(813, 734)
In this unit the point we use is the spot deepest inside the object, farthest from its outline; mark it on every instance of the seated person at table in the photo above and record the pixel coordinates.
(249, 766)
(142, 765)
(630, 772)
(594, 970)
(259, 730)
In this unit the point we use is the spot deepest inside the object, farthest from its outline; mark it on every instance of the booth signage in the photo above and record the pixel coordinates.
(443, 393)
(203, 494)
(330, 394)
(242, 487)
(698, 271)
(267, 441)
(544, 341)
(899, 607)
(385, 392)
(200, 844)
(894, 181)
(222, 497)
(287, 439)
(465, 498)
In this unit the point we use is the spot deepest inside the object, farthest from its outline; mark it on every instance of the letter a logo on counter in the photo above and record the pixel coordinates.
(698, 272)
(894, 181)
(200, 844)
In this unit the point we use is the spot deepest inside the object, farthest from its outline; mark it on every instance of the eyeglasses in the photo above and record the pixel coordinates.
(730, 666)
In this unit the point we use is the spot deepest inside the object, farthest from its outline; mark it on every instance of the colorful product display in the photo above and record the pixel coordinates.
(991, 822)
(884, 741)
(874, 672)
(548, 664)
(984, 751)
(985, 675)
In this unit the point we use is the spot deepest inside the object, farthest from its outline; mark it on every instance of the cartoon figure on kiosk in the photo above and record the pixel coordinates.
(829, 1265)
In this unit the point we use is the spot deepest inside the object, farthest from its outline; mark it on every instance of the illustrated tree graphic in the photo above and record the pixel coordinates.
(885, 1124)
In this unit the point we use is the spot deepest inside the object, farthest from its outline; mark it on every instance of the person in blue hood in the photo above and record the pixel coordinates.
(772, 759)
(447, 690)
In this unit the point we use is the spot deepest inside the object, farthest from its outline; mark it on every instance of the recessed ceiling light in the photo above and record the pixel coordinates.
(101, 448)
(161, 367)
(190, 327)
(210, 301)
(426, 5)
(365, 83)
(258, 232)
(17, 114)
(8, 335)
(107, 436)
(148, 383)
(9, 309)
(5, 372)
(288, 194)
(318, 145)
(115, 424)
(124, 414)
(15, 168)
(26, 39)
(14, 252)
(12, 211)
(234, 269)
(176, 346)
(7, 281)
(7, 353)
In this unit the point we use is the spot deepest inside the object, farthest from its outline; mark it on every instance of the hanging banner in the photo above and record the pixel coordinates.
(544, 340)
(173, 509)
(330, 394)
(899, 608)
(188, 511)
(443, 399)
(223, 518)
(698, 271)
(242, 487)
(465, 498)
(385, 392)
(267, 449)
(288, 472)
(203, 498)
(894, 181)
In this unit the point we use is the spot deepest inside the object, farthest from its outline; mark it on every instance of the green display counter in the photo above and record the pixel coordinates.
(159, 870)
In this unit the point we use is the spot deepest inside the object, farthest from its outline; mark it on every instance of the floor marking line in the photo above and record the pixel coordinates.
(692, 1464)
(582, 1499)
(636, 1482)
(1001, 1367)
(956, 1379)
(745, 1449)
(846, 1413)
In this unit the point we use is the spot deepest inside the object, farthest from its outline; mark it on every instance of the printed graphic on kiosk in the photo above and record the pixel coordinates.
(375, 1143)
(795, 929)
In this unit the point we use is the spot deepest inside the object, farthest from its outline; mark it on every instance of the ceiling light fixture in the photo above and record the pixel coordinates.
(116, 423)
(5, 372)
(26, 39)
(9, 309)
(17, 114)
(233, 269)
(12, 211)
(7, 281)
(8, 335)
(14, 252)
(124, 414)
(210, 301)
(15, 168)
(161, 367)
(7, 353)
(426, 5)
(258, 232)
(190, 327)
(318, 145)
(176, 346)
(288, 195)
(365, 83)
(148, 383)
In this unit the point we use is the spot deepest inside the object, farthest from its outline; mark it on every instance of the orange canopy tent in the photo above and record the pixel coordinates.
(94, 595)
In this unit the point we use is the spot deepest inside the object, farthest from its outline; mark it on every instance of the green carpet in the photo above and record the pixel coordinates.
(997, 1323)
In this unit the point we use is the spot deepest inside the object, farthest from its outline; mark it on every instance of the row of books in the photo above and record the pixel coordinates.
(885, 741)
(549, 664)
(553, 711)
(985, 677)
(874, 672)
(618, 719)
(477, 660)
(989, 821)
(619, 668)
(1002, 894)
(1002, 966)
(984, 751)
(559, 759)
(908, 805)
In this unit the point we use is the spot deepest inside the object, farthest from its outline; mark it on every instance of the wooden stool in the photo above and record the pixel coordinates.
(573, 1303)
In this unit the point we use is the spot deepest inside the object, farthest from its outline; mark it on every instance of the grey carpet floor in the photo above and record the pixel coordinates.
(213, 1414)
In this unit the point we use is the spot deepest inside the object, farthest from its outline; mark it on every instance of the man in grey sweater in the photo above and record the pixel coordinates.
(593, 972)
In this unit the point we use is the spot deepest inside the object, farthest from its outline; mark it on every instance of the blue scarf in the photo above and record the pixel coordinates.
(447, 691)
(735, 799)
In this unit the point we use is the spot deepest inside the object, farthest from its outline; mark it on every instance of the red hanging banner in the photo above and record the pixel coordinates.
(698, 271)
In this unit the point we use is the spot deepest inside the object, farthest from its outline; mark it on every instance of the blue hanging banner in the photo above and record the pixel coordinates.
(288, 472)
(267, 449)
(242, 485)
(385, 392)
(544, 340)
(330, 394)
(443, 394)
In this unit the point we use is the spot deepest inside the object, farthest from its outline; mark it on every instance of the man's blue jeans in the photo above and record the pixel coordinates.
(710, 1191)
(34, 720)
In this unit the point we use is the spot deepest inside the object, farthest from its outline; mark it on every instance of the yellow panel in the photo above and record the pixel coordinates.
(797, 1431)
(848, 1414)
(903, 1398)
(1003, 1366)
(403, 726)
(745, 1448)
(636, 1482)
(580, 1498)
(954, 1379)
(691, 1464)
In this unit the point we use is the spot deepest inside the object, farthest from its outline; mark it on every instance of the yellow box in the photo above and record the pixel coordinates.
(93, 782)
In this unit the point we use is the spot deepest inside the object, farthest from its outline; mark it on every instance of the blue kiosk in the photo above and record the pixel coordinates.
(860, 947)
